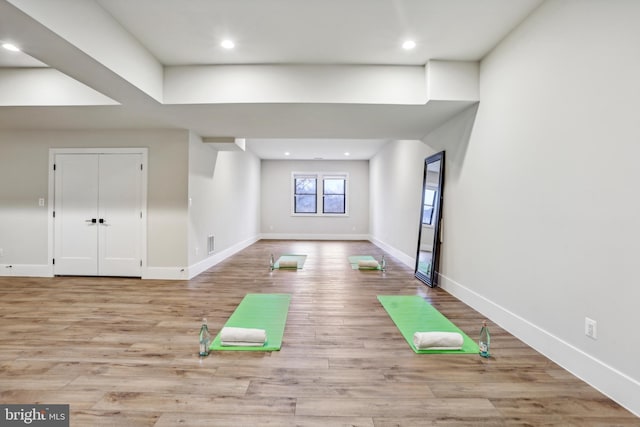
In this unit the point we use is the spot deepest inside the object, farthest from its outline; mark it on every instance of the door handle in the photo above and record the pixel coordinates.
(92, 220)
(102, 221)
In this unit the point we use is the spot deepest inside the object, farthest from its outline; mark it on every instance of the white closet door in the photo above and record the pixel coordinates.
(119, 215)
(76, 209)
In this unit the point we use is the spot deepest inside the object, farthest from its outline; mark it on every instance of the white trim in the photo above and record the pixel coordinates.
(26, 270)
(606, 379)
(144, 152)
(186, 273)
(404, 258)
(209, 262)
(166, 273)
(285, 236)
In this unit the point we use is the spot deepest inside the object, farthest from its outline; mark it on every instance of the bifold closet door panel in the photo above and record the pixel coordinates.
(119, 213)
(76, 215)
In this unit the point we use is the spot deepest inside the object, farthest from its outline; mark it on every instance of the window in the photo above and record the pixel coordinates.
(314, 190)
(427, 209)
(333, 197)
(305, 194)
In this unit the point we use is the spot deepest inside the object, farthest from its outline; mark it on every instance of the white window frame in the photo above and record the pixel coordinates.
(320, 177)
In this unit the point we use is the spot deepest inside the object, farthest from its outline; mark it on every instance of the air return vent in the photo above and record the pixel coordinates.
(210, 244)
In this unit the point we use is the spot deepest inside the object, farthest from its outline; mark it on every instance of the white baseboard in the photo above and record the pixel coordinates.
(205, 264)
(26, 270)
(186, 273)
(283, 236)
(404, 258)
(608, 380)
(166, 273)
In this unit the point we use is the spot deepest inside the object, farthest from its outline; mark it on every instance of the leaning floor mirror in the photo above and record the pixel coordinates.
(430, 217)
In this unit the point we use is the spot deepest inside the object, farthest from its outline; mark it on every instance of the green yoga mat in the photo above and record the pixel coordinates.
(261, 311)
(354, 259)
(412, 314)
(299, 258)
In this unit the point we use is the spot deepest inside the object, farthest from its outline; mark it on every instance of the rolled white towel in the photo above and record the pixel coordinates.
(240, 344)
(438, 340)
(368, 263)
(243, 336)
(288, 264)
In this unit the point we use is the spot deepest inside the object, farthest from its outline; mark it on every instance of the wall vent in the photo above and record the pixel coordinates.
(210, 244)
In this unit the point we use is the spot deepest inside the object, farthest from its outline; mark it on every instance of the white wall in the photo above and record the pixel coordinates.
(24, 174)
(452, 80)
(277, 187)
(103, 39)
(541, 203)
(396, 175)
(237, 197)
(45, 86)
(224, 193)
(202, 163)
(360, 84)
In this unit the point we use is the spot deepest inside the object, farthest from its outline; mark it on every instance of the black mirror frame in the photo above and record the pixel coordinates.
(431, 279)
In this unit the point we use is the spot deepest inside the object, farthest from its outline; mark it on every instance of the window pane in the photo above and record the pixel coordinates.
(305, 186)
(334, 186)
(305, 204)
(427, 215)
(427, 209)
(334, 204)
(428, 197)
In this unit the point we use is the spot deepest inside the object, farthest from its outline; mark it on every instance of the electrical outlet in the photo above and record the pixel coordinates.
(590, 328)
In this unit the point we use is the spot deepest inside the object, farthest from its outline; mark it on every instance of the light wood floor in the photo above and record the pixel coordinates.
(123, 352)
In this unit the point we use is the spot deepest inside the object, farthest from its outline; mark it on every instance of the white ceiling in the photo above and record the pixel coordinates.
(315, 149)
(18, 59)
(178, 32)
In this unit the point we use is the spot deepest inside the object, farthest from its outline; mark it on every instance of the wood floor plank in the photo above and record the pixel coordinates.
(561, 406)
(93, 418)
(77, 399)
(364, 389)
(219, 387)
(510, 390)
(443, 421)
(380, 407)
(176, 402)
(223, 420)
(123, 352)
(319, 377)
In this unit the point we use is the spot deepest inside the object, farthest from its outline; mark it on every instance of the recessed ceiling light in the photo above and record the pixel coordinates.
(228, 44)
(347, 153)
(408, 44)
(10, 47)
(286, 153)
